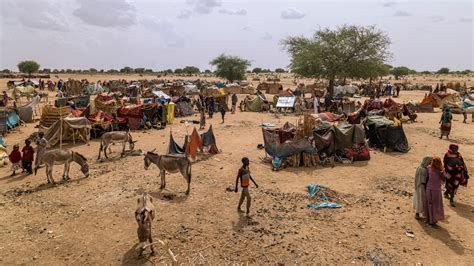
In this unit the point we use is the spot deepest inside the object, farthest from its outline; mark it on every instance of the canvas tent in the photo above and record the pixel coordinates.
(275, 148)
(8, 119)
(382, 133)
(72, 128)
(26, 111)
(331, 138)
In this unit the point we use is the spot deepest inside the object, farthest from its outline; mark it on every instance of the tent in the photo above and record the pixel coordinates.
(79, 101)
(26, 111)
(256, 104)
(161, 94)
(382, 133)
(338, 137)
(275, 148)
(194, 144)
(346, 89)
(8, 119)
(51, 114)
(133, 113)
(270, 88)
(209, 141)
(174, 148)
(73, 128)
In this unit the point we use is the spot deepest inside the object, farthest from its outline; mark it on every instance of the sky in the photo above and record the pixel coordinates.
(156, 34)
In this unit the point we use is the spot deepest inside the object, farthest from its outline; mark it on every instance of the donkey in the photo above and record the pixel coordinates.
(145, 214)
(59, 156)
(116, 137)
(172, 164)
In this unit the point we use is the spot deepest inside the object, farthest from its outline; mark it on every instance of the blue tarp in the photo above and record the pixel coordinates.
(12, 120)
(313, 191)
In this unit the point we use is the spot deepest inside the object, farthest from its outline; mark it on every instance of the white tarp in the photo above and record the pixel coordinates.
(346, 89)
(190, 88)
(285, 102)
(160, 94)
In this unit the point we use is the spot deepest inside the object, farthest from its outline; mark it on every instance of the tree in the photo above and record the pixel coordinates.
(465, 72)
(230, 67)
(46, 70)
(148, 70)
(6, 70)
(92, 70)
(112, 71)
(399, 71)
(28, 66)
(139, 70)
(191, 70)
(207, 71)
(280, 70)
(178, 71)
(426, 72)
(346, 52)
(126, 70)
(257, 70)
(168, 71)
(443, 70)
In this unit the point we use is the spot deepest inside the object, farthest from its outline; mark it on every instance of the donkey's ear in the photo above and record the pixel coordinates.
(153, 150)
(135, 141)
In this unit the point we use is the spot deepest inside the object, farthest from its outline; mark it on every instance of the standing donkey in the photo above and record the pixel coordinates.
(172, 164)
(59, 156)
(116, 137)
(145, 214)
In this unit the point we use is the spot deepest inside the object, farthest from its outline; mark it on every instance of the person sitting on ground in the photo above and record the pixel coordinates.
(245, 177)
(421, 178)
(28, 157)
(15, 159)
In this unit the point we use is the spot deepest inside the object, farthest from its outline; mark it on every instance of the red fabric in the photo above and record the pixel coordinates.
(389, 103)
(361, 153)
(104, 98)
(194, 144)
(28, 153)
(76, 113)
(15, 156)
(100, 116)
(130, 111)
(134, 123)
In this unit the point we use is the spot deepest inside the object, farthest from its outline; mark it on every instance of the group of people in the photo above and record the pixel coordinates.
(209, 103)
(24, 159)
(429, 179)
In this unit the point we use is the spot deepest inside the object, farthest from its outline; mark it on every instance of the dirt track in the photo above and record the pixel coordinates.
(90, 220)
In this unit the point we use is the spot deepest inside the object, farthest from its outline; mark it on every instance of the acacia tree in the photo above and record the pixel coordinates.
(230, 67)
(28, 66)
(400, 71)
(346, 52)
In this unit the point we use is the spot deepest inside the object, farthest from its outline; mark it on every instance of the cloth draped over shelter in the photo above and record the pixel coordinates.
(73, 128)
(26, 111)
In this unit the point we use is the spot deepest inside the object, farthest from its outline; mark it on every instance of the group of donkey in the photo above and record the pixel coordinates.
(165, 163)
(145, 211)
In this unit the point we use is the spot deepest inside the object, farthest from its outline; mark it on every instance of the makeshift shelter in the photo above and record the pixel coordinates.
(345, 90)
(209, 141)
(73, 87)
(174, 148)
(233, 88)
(256, 104)
(270, 88)
(51, 114)
(8, 119)
(382, 133)
(279, 145)
(183, 106)
(26, 111)
(426, 105)
(133, 113)
(72, 128)
(340, 137)
(106, 104)
(78, 101)
(194, 144)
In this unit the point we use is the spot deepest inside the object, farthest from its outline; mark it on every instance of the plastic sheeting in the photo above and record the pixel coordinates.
(254, 105)
(276, 149)
(315, 190)
(174, 148)
(26, 111)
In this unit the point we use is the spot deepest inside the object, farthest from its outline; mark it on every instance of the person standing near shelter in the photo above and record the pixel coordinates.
(222, 112)
(434, 201)
(456, 172)
(210, 106)
(28, 157)
(421, 177)
(5, 98)
(41, 143)
(445, 122)
(398, 90)
(316, 104)
(60, 84)
(234, 102)
(245, 177)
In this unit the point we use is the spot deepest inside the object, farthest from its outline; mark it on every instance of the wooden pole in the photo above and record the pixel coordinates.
(60, 127)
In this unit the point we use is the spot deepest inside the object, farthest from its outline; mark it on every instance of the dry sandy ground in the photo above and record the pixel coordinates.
(91, 220)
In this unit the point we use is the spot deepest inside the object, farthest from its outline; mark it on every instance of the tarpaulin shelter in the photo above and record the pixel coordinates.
(133, 113)
(382, 133)
(275, 148)
(253, 105)
(106, 104)
(174, 148)
(8, 119)
(73, 128)
(338, 137)
(161, 94)
(194, 144)
(78, 101)
(26, 111)
(209, 140)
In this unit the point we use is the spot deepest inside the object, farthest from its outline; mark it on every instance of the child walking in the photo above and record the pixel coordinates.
(245, 177)
(15, 159)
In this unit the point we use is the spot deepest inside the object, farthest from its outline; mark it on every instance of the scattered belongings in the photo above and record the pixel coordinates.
(315, 192)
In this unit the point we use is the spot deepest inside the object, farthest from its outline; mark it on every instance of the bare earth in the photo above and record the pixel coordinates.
(91, 220)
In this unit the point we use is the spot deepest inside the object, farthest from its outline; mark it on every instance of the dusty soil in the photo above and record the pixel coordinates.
(91, 220)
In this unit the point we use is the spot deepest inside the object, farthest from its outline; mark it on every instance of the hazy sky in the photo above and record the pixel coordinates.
(105, 34)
